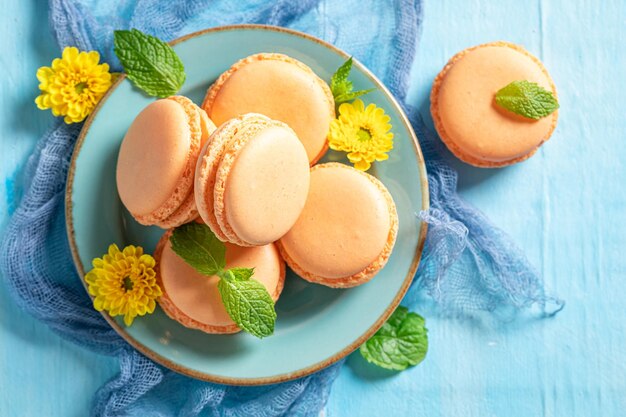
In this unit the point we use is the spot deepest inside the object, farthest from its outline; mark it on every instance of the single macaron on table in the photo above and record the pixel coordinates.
(468, 119)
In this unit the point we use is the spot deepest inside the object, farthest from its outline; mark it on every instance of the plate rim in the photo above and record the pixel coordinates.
(302, 371)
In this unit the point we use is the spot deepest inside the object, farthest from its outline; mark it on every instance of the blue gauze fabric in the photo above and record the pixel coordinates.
(468, 264)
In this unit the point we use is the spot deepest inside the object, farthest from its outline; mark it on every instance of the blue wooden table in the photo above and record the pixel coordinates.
(566, 207)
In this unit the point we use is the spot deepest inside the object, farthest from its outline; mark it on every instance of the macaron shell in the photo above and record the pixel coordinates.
(206, 124)
(261, 184)
(162, 145)
(187, 211)
(194, 300)
(346, 231)
(155, 146)
(281, 88)
(466, 117)
(206, 170)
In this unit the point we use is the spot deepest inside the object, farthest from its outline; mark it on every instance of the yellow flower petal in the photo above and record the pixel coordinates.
(362, 132)
(73, 84)
(108, 283)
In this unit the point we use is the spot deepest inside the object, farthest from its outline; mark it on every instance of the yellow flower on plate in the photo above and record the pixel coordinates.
(73, 85)
(124, 283)
(363, 132)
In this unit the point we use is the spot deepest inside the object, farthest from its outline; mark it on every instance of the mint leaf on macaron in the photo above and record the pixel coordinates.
(197, 245)
(247, 301)
(249, 305)
(400, 343)
(151, 64)
(527, 99)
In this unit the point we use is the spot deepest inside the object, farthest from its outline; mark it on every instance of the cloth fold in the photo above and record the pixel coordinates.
(467, 264)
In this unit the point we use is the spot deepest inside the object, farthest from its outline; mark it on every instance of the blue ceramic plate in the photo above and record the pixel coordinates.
(316, 326)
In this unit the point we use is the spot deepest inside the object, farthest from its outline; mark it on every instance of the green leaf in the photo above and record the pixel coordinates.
(527, 99)
(241, 274)
(400, 343)
(249, 305)
(341, 87)
(339, 83)
(199, 247)
(151, 64)
(345, 97)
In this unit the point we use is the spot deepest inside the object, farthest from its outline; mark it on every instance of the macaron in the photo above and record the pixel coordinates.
(157, 160)
(193, 299)
(346, 231)
(468, 120)
(281, 88)
(251, 180)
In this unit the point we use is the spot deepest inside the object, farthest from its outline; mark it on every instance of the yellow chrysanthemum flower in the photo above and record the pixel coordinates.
(124, 283)
(363, 132)
(73, 85)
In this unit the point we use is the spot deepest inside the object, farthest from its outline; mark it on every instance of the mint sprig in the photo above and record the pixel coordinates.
(249, 305)
(200, 248)
(342, 88)
(151, 64)
(527, 99)
(247, 302)
(400, 343)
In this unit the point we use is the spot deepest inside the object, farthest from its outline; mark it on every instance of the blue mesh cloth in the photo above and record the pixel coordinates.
(468, 264)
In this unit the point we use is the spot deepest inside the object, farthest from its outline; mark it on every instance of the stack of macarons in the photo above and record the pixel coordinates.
(249, 180)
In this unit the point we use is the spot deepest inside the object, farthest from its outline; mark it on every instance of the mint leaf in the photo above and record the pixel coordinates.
(400, 343)
(249, 305)
(339, 83)
(241, 274)
(527, 99)
(151, 64)
(199, 247)
(345, 97)
(341, 87)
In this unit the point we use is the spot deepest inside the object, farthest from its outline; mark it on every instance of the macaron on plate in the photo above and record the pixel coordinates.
(331, 308)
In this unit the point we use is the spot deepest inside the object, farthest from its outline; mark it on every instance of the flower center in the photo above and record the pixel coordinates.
(363, 135)
(80, 87)
(127, 284)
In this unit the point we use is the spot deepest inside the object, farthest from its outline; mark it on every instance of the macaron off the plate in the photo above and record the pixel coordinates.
(466, 116)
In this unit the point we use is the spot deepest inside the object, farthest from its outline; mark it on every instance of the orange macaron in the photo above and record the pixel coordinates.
(157, 159)
(470, 123)
(251, 180)
(281, 88)
(193, 299)
(346, 231)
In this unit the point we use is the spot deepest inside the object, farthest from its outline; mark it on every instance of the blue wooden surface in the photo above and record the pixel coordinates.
(565, 207)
